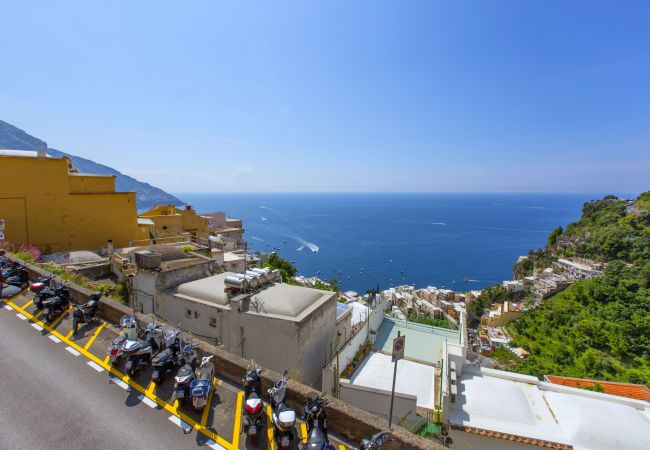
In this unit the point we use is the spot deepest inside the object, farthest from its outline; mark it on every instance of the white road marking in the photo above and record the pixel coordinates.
(120, 383)
(21, 317)
(210, 443)
(95, 366)
(179, 422)
(73, 351)
(37, 326)
(8, 308)
(147, 401)
(54, 339)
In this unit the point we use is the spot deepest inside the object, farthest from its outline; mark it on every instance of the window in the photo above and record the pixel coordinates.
(188, 313)
(213, 322)
(196, 314)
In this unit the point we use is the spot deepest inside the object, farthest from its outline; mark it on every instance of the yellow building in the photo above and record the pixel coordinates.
(171, 222)
(46, 203)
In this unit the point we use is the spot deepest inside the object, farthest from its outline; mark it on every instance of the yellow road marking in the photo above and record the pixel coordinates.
(175, 405)
(38, 314)
(269, 429)
(341, 447)
(236, 430)
(151, 388)
(208, 405)
(303, 432)
(27, 304)
(60, 318)
(94, 336)
(69, 335)
(107, 359)
(194, 424)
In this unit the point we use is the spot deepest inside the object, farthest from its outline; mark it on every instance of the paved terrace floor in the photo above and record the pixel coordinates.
(60, 392)
(423, 342)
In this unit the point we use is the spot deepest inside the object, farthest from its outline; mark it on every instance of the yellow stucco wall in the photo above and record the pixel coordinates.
(170, 221)
(46, 206)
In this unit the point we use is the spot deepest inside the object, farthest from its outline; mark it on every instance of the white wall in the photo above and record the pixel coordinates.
(377, 401)
(348, 350)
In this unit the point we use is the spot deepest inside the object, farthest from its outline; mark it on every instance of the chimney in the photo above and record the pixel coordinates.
(42, 151)
(109, 247)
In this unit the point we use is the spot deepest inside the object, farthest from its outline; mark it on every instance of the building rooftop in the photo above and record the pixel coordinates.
(341, 308)
(278, 299)
(413, 378)
(423, 342)
(629, 390)
(522, 408)
(20, 153)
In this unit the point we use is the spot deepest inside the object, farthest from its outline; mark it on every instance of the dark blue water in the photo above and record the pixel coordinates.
(457, 241)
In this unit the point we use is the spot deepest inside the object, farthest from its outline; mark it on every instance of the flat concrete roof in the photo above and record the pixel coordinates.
(524, 407)
(423, 342)
(413, 378)
(277, 298)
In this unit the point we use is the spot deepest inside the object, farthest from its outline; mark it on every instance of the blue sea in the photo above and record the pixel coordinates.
(455, 241)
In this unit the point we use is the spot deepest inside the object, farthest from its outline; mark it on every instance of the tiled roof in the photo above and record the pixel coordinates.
(629, 390)
(513, 437)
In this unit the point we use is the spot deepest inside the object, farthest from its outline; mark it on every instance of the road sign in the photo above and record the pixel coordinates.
(2, 236)
(398, 347)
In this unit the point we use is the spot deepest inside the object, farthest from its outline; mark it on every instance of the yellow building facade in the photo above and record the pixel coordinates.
(172, 222)
(45, 203)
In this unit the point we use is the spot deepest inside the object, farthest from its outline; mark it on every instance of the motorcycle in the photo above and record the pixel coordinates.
(19, 278)
(185, 375)
(41, 283)
(316, 424)
(139, 353)
(49, 292)
(85, 313)
(54, 306)
(376, 441)
(165, 360)
(201, 387)
(283, 416)
(253, 403)
(129, 333)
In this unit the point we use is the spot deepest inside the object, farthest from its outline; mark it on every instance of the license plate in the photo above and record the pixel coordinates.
(180, 394)
(285, 441)
(252, 429)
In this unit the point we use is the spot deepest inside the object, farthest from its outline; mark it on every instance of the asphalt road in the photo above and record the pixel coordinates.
(52, 399)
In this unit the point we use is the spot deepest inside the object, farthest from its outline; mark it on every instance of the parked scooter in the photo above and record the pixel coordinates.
(139, 353)
(316, 424)
(201, 387)
(54, 306)
(185, 376)
(85, 313)
(165, 360)
(41, 283)
(253, 403)
(375, 442)
(19, 278)
(129, 333)
(54, 290)
(283, 416)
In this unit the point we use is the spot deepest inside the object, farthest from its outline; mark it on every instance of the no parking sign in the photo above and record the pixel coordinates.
(398, 347)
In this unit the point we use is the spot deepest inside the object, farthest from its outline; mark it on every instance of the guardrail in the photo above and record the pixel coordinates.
(344, 419)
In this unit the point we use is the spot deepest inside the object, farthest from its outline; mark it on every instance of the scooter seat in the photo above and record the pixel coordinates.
(165, 354)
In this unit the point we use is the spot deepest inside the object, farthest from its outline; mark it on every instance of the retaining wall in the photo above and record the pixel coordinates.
(344, 419)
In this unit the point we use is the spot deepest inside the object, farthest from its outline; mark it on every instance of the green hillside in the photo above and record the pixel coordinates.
(598, 328)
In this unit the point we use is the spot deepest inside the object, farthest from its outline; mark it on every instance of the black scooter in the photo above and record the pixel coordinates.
(54, 306)
(164, 362)
(85, 313)
(61, 291)
(316, 424)
(19, 278)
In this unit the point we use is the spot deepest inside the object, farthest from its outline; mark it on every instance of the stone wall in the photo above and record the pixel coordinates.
(344, 419)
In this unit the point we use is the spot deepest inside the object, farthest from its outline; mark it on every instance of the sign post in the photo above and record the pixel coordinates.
(398, 353)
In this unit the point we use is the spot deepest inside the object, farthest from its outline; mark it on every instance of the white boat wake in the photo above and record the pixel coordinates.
(257, 239)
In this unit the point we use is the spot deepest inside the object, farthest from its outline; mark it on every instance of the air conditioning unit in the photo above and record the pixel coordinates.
(146, 259)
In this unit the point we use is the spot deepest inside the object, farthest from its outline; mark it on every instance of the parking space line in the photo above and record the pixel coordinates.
(124, 381)
(151, 388)
(146, 401)
(303, 432)
(341, 447)
(60, 318)
(37, 327)
(208, 407)
(54, 339)
(69, 335)
(27, 304)
(21, 316)
(37, 315)
(9, 308)
(95, 366)
(73, 351)
(237, 425)
(94, 336)
(178, 421)
(270, 443)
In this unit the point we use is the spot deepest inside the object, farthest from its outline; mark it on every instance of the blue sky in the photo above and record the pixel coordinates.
(339, 96)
